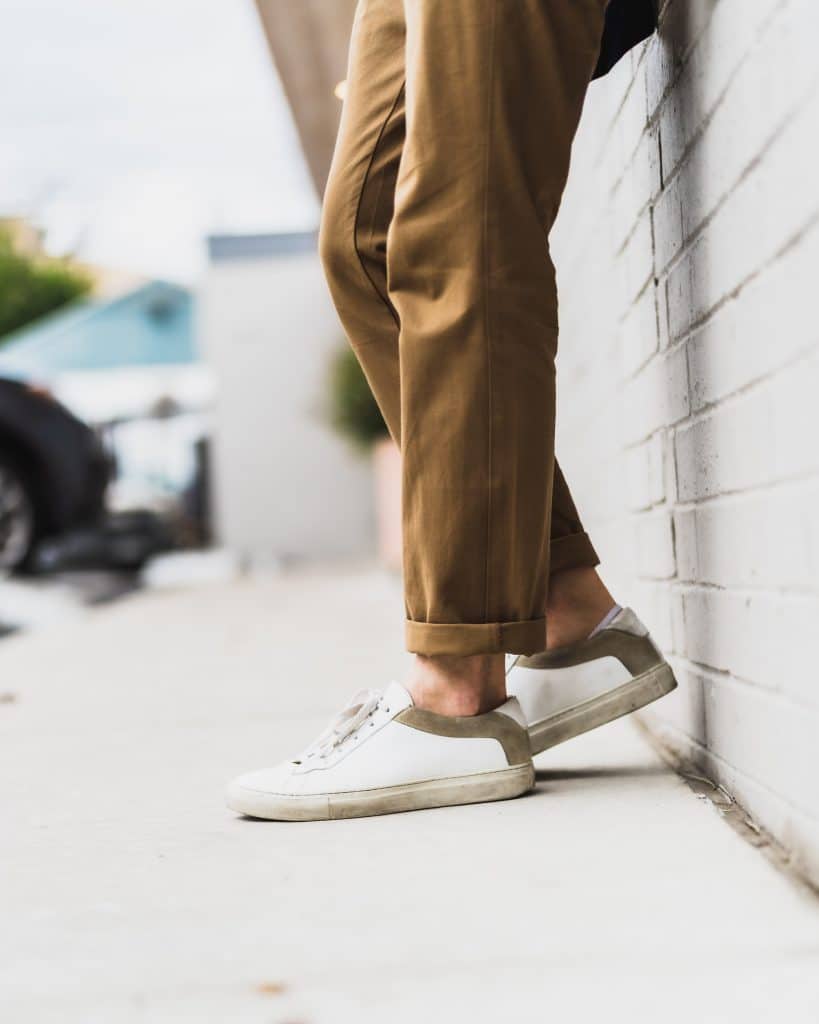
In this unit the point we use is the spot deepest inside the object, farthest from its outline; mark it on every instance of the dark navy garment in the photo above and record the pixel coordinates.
(628, 22)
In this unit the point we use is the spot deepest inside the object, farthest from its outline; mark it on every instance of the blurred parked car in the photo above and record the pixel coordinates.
(53, 472)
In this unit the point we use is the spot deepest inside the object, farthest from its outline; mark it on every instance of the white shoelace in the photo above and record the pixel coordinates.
(360, 708)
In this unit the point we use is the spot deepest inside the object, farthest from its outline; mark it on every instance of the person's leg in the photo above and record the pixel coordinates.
(356, 215)
(358, 199)
(577, 599)
(386, 751)
(358, 211)
(471, 290)
(493, 96)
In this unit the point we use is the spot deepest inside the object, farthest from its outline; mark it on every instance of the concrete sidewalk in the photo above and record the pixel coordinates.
(130, 894)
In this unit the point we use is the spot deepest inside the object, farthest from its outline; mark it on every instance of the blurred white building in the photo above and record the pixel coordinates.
(285, 487)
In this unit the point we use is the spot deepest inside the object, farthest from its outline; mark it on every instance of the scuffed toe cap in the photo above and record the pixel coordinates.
(250, 793)
(274, 794)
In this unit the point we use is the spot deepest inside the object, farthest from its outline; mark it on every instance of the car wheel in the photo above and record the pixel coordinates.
(17, 517)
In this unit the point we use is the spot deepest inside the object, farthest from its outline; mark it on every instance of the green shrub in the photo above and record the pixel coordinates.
(31, 287)
(351, 408)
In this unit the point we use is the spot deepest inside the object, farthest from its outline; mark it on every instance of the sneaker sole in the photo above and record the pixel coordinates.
(472, 789)
(630, 696)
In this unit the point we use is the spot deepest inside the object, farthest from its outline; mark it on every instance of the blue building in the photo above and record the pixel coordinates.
(153, 325)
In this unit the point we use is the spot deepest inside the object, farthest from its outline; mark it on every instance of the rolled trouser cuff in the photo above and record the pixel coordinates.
(435, 638)
(572, 552)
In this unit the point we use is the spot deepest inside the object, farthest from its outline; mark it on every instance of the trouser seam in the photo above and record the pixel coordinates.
(364, 181)
(487, 313)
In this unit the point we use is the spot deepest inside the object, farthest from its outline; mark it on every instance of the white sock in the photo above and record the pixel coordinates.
(607, 618)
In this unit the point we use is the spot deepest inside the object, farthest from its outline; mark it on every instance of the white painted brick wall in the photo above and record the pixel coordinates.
(688, 260)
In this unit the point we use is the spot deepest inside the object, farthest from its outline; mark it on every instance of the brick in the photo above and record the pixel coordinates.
(755, 540)
(651, 600)
(629, 126)
(669, 467)
(644, 474)
(635, 263)
(654, 543)
(661, 295)
(729, 450)
(638, 187)
(657, 396)
(689, 563)
(638, 333)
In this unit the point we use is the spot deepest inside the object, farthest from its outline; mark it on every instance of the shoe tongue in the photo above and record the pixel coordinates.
(396, 697)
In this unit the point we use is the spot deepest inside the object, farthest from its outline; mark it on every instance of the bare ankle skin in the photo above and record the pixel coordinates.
(475, 684)
(578, 600)
(451, 685)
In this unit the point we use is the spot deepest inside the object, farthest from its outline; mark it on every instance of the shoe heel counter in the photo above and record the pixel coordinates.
(513, 710)
(627, 621)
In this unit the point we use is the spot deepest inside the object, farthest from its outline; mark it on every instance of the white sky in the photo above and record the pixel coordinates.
(130, 129)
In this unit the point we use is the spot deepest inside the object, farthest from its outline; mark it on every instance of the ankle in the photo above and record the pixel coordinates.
(578, 601)
(453, 686)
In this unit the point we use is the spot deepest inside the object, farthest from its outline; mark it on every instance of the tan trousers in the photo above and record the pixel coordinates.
(450, 163)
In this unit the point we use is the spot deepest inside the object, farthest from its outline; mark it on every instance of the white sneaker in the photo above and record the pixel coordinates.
(570, 690)
(382, 754)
